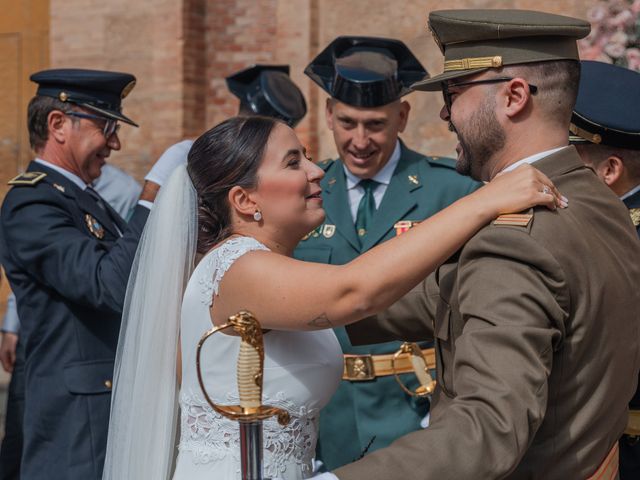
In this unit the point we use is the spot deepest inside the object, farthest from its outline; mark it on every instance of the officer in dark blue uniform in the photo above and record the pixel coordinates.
(377, 189)
(605, 127)
(268, 90)
(67, 256)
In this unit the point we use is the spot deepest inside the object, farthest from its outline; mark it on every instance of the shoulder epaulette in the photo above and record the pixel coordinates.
(514, 219)
(442, 161)
(27, 178)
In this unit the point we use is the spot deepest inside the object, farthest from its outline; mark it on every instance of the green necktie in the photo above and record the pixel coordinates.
(366, 208)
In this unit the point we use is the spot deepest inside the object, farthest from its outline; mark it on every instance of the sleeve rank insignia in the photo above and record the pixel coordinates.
(514, 219)
(635, 216)
(94, 226)
(27, 178)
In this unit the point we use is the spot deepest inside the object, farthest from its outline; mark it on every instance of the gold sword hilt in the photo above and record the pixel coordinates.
(421, 368)
(249, 371)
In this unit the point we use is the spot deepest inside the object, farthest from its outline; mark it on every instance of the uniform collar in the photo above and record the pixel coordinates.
(72, 177)
(383, 176)
(531, 159)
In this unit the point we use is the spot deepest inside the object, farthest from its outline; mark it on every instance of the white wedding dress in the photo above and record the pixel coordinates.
(301, 372)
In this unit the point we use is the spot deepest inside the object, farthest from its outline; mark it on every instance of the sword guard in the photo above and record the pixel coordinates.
(250, 368)
(420, 368)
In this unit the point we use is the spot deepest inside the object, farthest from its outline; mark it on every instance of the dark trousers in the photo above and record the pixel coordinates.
(11, 449)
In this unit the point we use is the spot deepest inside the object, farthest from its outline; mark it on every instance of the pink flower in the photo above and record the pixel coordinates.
(624, 19)
(598, 13)
(635, 7)
(633, 59)
(614, 50)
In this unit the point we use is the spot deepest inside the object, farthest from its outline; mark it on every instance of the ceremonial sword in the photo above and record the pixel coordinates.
(250, 413)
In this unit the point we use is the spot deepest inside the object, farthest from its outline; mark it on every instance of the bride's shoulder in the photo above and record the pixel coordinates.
(233, 247)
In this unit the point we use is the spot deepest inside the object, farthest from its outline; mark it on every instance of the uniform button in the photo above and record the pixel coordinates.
(107, 383)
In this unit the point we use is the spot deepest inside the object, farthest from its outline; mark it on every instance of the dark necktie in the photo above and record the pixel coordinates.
(366, 208)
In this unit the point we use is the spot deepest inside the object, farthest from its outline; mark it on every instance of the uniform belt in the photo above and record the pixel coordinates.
(608, 469)
(633, 424)
(358, 368)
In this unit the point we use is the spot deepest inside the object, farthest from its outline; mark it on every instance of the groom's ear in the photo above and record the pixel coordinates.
(240, 201)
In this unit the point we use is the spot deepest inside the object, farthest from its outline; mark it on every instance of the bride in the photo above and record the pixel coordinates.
(247, 196)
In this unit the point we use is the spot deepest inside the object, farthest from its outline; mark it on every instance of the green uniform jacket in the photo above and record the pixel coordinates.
(419, 187)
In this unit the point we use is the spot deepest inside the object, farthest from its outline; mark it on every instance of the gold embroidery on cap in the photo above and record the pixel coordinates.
(471, 63)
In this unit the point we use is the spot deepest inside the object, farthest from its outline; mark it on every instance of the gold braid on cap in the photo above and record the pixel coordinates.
(472, 63)
(592, 137)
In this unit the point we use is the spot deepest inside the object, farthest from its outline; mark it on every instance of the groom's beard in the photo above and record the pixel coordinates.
(480, 139)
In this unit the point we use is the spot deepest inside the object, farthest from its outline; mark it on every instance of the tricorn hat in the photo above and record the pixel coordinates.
(607, 111)
(99, 91)
(474, 41)
(268, 90)
(366, 71)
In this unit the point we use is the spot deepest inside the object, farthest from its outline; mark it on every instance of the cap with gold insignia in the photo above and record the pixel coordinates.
(366, 71)
(608, 108)
(99, 91)
(268, 90)
(474, 41)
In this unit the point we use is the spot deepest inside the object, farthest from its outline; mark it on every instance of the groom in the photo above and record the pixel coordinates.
(535, 324)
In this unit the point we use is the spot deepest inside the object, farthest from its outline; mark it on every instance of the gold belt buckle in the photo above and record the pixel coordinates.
(420, 368)
(359, 367)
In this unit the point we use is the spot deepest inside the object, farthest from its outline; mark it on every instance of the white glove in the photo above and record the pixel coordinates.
(173, 157)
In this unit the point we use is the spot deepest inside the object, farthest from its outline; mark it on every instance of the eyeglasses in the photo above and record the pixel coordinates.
(110, 126)
(446, 94)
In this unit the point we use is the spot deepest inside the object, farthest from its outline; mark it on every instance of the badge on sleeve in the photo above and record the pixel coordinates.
(95, 228)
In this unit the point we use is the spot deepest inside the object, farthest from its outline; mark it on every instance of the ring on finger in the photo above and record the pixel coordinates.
(546, 190)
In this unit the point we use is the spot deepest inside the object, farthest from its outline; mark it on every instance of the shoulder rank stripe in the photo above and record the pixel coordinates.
(27, 178)
(514, 219)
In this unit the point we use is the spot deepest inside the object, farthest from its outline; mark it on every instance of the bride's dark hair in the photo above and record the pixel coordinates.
(227, 155)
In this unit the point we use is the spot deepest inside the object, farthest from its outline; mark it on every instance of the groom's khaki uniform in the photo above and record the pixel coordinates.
(536, 332)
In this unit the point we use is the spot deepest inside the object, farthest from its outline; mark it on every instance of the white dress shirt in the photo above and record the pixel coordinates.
(355, 191)
(633, 191)
(531, 159)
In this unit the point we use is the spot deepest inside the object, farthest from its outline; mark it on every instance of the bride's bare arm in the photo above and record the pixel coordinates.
(288, 294)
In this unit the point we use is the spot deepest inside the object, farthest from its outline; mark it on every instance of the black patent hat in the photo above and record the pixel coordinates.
(99, 91)
(268, 90)
(607, 111)
(366, 71)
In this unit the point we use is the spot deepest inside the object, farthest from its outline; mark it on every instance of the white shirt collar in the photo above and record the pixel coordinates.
(383, 176)
(533, 158)
(631, 192)
(66, 173)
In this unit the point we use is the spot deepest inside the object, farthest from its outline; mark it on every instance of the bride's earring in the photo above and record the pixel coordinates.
(257, 216)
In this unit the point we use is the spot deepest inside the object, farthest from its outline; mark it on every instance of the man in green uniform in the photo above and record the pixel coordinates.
(377, 189)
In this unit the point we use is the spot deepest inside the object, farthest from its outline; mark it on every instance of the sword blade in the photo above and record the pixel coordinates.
(251, 450)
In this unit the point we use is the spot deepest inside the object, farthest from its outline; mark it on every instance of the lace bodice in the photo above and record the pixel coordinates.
(302, 370)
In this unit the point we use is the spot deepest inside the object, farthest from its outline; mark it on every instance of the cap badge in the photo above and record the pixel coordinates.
(328, 231)
(94, 226)
(63, 97)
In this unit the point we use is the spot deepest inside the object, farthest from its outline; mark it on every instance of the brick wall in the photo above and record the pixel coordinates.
(181, 51)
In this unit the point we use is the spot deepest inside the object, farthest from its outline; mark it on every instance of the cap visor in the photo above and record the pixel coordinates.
(434, 84)
(109, 114)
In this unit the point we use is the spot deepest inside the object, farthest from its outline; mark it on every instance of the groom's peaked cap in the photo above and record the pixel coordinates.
(474, 41)
(366, 71)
